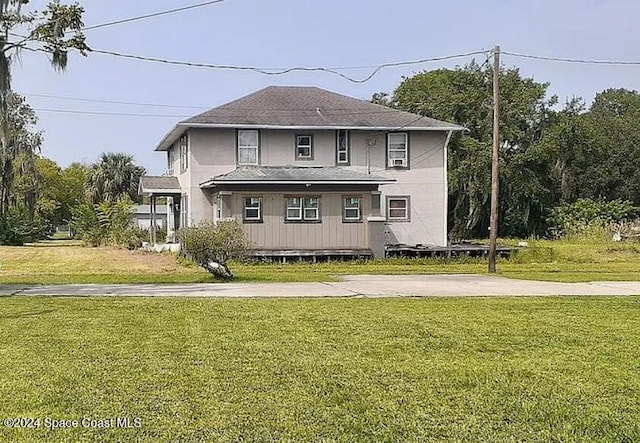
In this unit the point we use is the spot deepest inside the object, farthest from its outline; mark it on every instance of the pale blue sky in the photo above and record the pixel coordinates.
(284, 33)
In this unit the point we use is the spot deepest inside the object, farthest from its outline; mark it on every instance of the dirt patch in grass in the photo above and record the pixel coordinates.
(78, 264)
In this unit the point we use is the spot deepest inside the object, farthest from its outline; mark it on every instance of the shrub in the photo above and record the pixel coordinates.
(594, 219)
(107, 223)
(17, 228)
(212, 246)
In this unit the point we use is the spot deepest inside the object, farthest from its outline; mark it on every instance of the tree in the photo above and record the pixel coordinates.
(56, 30)
(463, 96)
(20, 151)
(609, 162)
(57, 190)
(113, 177)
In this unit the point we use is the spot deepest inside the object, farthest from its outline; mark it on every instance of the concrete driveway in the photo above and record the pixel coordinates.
(349, 286)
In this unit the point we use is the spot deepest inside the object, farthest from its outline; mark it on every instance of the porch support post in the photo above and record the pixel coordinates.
(154, 240)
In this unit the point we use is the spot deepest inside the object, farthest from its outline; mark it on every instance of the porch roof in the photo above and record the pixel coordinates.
(158, 185)
(283, 175)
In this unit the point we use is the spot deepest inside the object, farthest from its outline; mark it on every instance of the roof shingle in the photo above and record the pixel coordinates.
(290, 174)
(159, 183)
(310, 107)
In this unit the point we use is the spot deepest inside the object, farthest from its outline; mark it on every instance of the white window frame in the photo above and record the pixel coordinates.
(294, 203)
(346, 201)
(342, 147)
(184, 153)
(184, 211)
(395, 147)
(171, 153)
(248, 202)
(304, 146)
(255, 147)
(406, 216)
(304, 206)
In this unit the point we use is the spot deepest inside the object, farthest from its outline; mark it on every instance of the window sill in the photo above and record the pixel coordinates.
(304, 221)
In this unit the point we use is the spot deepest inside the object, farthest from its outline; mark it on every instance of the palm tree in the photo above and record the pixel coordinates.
(114, 177)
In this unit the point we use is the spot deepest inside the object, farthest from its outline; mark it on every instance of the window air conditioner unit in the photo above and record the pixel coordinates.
(398, 162)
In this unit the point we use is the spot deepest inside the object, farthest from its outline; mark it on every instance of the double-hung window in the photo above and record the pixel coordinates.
(248, 146)
(184, 153)
(342, 147)
(304, 147)
(397, 150)
(252, 210)
(351, 209)
(303, 209)
(170, 160)
(398, 208)
(184, 211)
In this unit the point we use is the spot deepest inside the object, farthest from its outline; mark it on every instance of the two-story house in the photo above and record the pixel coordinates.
(308, 171)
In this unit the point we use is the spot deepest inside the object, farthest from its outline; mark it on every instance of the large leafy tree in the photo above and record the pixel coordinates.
(595, 153)
(114, 177)
(609, 163)
(20, 151)
(54, 31)
(58, 190)
(463, 96)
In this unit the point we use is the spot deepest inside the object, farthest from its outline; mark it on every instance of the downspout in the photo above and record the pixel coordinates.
(446, 189)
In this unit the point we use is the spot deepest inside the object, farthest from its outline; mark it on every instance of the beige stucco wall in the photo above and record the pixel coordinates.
(424, 183)
(213, 152)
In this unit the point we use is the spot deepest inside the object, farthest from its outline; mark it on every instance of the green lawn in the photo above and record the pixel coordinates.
(68, 262)
(396, 370)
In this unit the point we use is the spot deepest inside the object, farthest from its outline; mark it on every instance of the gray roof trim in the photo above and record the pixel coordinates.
(361, 128)
(170, 138)
(213, 182)
(162, 191)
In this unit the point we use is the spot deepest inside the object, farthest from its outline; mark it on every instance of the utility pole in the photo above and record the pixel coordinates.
(493, 222)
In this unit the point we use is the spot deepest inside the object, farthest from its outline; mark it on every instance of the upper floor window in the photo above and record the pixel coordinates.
(170, 160)
(304, 147)
(303, 209)
(252, 209)
(184, 211)
(351, 209)
(248, 146)
(398, 208)
(184, 153)
(342, 147)
(397, 150)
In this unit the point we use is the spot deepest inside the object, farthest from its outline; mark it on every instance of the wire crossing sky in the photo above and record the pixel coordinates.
(140, 81)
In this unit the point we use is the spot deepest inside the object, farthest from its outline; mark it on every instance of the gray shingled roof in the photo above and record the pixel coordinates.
(158, 183)
(310, 107)
(293, 174)
(306, 108)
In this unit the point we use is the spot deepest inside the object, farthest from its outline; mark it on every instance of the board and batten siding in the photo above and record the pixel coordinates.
(331, 233)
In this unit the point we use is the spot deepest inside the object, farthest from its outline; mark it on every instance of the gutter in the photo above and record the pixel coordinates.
(213, 183)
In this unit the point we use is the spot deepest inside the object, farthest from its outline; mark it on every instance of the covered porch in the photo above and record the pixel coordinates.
(302, 213)
(155, 187)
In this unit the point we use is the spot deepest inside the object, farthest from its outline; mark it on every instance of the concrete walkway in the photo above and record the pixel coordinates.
(349, 286)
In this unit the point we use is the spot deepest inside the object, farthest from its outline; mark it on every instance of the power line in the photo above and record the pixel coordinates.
(574, 60)
(330, 111)
(115, 102)
(115, 114)
(153, 14)
(277, 71)
(292, 113)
